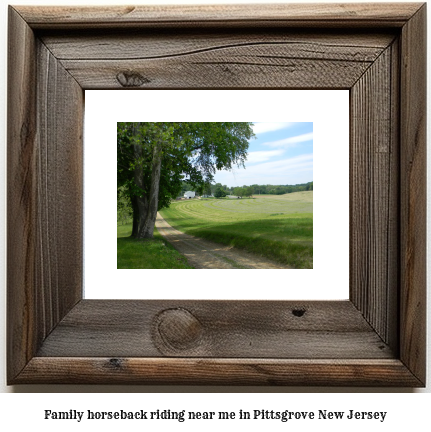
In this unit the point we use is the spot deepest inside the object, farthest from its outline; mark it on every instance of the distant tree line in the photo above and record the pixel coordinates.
(281, 189)
(219, 190)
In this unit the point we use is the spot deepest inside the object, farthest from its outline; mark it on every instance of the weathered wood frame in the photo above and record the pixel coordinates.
(377, 338)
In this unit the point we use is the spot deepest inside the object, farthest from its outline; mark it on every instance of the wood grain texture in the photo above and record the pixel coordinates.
(198, 371)
(141, 44)
(374, 195)
(241, 329)
(319, 15)
(204, 59)
(21, 194)
(59, 245)
(413, 194)
(45, 106)
(230, 71)
(53, 336)
(199, 60)
(392, 300)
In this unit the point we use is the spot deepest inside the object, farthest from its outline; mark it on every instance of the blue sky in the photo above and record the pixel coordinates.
(281, 153)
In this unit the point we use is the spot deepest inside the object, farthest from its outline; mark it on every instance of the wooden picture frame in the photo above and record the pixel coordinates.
(376, 338)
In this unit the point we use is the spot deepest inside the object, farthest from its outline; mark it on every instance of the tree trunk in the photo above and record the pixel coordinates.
(145, 206)
(135, 216)
(148, 206)
(138, 174)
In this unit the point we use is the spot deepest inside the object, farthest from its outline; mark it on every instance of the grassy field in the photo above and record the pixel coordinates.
(279, 227)
(146, 254)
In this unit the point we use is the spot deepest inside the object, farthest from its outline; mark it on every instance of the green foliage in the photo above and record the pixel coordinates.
(124, 207)
(220, 193)
(191, 153)
(280, 189)
(153, 253)
(248, 191)
(238, 191)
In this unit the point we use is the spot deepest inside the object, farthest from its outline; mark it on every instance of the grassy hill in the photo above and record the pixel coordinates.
(279, 227)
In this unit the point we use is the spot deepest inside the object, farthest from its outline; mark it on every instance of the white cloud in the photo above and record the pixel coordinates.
(298, 169)
(287, 142)
(293, 164)
(262, 156)
(260, 128)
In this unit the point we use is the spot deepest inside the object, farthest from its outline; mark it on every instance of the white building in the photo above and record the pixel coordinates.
(189, 194)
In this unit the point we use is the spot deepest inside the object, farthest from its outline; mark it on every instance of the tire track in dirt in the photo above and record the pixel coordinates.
(205, 254)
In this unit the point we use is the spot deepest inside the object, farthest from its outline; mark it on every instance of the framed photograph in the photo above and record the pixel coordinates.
(376, 337)
(287, 226)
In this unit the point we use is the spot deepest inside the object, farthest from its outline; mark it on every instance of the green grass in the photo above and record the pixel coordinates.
(153, 253)
(279, 227)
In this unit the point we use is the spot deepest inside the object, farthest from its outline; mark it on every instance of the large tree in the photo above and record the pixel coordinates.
(153, 160)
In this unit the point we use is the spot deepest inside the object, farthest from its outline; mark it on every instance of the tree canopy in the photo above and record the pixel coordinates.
(154, 159)
(220, 193)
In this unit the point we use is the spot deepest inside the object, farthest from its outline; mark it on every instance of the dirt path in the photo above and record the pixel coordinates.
(204, 254)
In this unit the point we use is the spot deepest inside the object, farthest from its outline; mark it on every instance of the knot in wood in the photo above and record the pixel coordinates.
(131, 79)
(298, 312)
(115, 363)
(178, 329)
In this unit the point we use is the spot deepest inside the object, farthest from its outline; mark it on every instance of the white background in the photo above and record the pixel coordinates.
(329, 112)
(26, 410)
